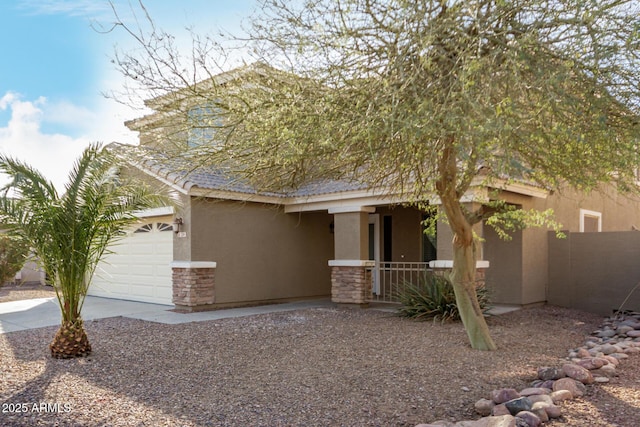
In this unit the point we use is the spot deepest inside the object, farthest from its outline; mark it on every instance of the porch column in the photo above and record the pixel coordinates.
(441, 266)
(193, 285)
(350, 277)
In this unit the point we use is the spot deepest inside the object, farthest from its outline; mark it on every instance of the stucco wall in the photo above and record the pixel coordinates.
(619, 213)
(504, 277)
(595, 271)
(261, 252)
(351, 235)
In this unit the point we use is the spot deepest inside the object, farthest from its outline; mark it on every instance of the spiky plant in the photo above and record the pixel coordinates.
(69, 233)
(433, 297)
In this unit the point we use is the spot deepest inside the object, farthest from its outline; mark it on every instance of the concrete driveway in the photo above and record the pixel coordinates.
(41, 312)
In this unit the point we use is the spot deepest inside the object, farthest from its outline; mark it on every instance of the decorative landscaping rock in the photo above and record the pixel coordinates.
(612, 360)
(610, 349)
(504, 395)
(500, 410)
(624, 329)
(608, 370)
(547, 373)
(591, 363)
(439, 423)
(549, 408)
(619, 356)
(578, 373)
(576, 388)
(531, 419)
(518, 405)
(531, 391)
(595, 362)
(560, 395)
(502, 421)
(484, 407)
(606, 334)
(539, 384)
(582, 353)
(541, 414)
(541, 398)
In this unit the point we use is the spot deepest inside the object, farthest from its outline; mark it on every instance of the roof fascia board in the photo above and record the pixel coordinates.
(520, 188)
(236, 196)
(161, 211)
(341, 200)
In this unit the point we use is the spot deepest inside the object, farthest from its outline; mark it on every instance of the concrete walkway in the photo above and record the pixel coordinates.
(41, 312)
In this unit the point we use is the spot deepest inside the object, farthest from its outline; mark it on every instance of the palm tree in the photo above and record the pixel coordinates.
(69, 233)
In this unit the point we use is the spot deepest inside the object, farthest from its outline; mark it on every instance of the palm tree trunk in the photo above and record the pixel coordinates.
(70, 341)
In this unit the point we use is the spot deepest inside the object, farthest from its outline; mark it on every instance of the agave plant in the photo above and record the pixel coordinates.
(432, 297)
(69, 233)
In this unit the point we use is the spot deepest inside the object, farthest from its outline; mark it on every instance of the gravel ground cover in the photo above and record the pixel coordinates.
(12, 292)
(316, 367)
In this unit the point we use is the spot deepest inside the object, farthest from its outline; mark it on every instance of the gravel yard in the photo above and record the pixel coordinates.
(311, 367)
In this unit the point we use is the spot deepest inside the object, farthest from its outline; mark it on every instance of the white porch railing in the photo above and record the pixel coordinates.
(389, 279)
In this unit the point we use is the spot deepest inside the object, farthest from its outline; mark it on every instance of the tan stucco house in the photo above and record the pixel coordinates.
(228, 245)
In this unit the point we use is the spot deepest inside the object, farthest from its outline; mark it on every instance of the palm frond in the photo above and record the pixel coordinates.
(70, 233)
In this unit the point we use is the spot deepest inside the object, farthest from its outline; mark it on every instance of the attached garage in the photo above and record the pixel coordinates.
(138, 267)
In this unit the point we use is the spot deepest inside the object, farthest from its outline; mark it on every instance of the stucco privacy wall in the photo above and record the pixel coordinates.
(520, 275)
(595, 271)
(260, 252)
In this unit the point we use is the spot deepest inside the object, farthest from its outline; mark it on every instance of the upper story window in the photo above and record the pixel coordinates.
(590, 221)
(204, 123)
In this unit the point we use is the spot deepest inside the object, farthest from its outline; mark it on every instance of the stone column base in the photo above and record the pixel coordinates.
(193, 285)
(351, 281)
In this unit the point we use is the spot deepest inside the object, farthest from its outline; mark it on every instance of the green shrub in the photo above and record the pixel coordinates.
(13, 254)
(433, 298)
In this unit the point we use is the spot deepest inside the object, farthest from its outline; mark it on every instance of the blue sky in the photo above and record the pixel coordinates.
(54, 68)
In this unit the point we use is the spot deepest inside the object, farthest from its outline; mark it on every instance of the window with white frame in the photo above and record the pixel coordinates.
(204, 124)
(590, 221)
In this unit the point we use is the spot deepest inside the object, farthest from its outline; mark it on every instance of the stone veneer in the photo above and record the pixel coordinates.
(193, 285)
(350, 281)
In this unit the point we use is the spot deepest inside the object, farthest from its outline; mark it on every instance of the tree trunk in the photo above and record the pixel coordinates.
(70, 341)
(463, 278)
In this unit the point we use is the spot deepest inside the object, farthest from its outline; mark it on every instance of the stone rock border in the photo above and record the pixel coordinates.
(593, 363)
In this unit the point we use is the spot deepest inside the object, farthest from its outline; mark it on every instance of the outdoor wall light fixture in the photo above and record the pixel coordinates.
(177, 225)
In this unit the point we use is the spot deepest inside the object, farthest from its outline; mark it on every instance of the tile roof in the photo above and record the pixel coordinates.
(187, 174)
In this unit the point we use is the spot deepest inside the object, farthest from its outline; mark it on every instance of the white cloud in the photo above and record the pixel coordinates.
(23, 139)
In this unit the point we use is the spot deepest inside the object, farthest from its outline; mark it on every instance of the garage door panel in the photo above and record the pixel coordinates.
(138, 268)
(142, 290)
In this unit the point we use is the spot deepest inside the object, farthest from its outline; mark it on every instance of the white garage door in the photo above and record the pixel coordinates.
(138, 269)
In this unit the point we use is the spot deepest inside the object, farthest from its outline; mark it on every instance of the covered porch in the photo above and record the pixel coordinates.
(379, 250)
